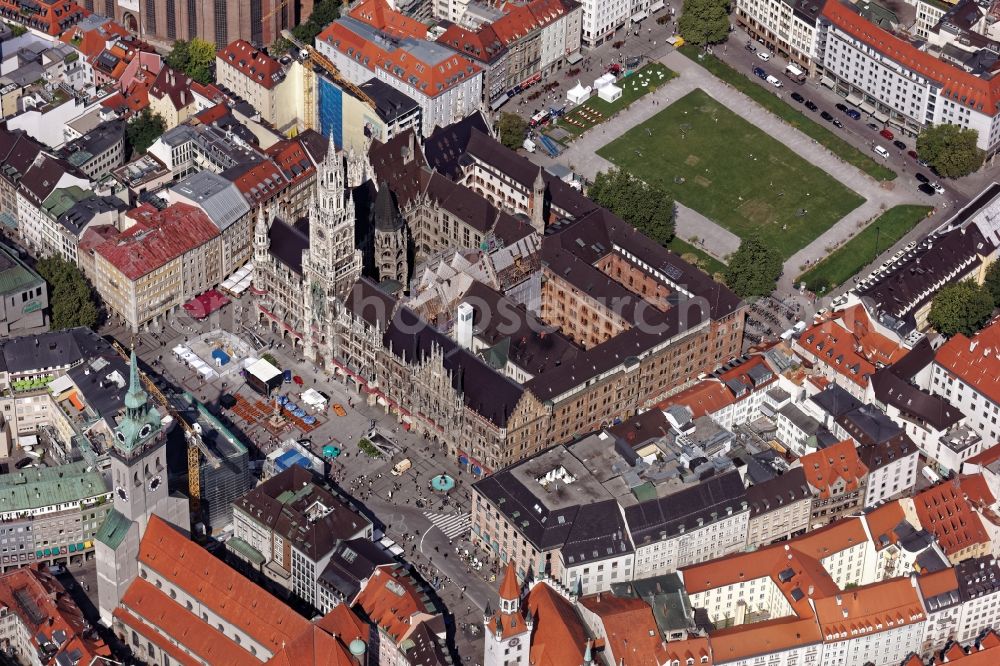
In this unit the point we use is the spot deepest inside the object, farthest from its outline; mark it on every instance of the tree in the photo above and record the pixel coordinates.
(704, 21)
(951, 150)
(991, 283)
(960, 308)
(648, 208)
(70, 295)
(753, 269)
(143, 129)
(512, 129)
(195, 58)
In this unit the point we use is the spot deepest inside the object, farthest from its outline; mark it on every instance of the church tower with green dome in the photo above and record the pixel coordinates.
(138, 478)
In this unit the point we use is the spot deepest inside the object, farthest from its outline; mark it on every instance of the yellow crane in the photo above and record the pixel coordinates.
(196, 446)
(324, 63)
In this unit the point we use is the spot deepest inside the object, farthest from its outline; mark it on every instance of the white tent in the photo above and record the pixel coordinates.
(579, 94)
(313, 398)
(610, 93)
(605, 80)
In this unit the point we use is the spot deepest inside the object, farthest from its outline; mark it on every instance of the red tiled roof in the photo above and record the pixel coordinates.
(848, 343)
(157, 238)
(174, 85)
(560, 637)
(224, 591)
(261, 182)
(977, 361)
(253, 63)
(760, 638)
(314, 647)
(51, 18)
(391, 599)
(510, 588)
(956, 82)
(165, 617)
(293, 160)
(946, 511)
(429, 79)
(986, 457)
(631, 632)
(883, 521)
(863, 610)
(378, 14)
(151, 634)
(938, 582)
(482, 45)
(705, 397)
(826, 467)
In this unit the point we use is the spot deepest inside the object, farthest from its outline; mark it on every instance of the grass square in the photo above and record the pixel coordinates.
(715, 162)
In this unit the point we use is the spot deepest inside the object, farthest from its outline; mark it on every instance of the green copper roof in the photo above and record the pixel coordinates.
(62, 199)
(241, 547)
(141, 422)
(35, 488)
(14, 273)
(114, 529)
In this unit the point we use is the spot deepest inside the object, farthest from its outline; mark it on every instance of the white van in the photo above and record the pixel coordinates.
(400, 468)
(773, 80)
(881, 152)
(764, 55)
(795, 73)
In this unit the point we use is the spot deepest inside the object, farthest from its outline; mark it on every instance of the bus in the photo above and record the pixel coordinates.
(539, 118)
(795, 73)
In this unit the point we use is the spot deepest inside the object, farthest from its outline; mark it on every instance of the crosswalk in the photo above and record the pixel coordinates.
(453, 525)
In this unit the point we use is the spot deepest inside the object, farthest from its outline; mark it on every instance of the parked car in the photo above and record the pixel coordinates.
(880, 151)
(339, 410)
(937, 187)
(899, 144)
(842, 108)
(750, 47)
(837, 123)
(921, 177)
(810, 105)
(826, 116)
(872, 126)
(887, 134)
(926, 189)
(853, 114)
(764, 55)
(760, 73)
(773, 80)
(913, 154)
(798, 98)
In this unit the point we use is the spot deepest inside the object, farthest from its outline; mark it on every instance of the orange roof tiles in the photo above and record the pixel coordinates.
(510, 588)
(705, 397)
(151, 634)
(164, 616)
(560, 637)
(314, 647)
(956, 83)
(378, 14)
(889, 603)
(977, 361)
(848, 343)
(990, 455)
(428, 79)
(947, 510)
(252, 63)
(228, 594)
(158, 237)
(827, 467)
(631, 632)
(392, 600)
(49, 17)
(760, 638)
(938, 582)
(883, 521)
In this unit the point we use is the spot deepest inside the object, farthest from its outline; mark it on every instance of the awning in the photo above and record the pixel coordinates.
(827, 81)
(866, 107)
(574, 58)
(498, 102)
(639, 16)
(656, 6)
(879, 116)
(854, 99)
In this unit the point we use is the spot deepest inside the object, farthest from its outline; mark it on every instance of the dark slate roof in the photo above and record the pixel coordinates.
(446, 144)
(385, 212)
(352, 562)
(281, 504)
(389, 102)
(391, 163)
(915, 360)
(835, 401)
(105, 397)
(914, 402)
(977, 576)
(597, 533)
(41, 178)
(315, 144)
(764, 466)
(82, 212)
(426, 648)
(882, 454)
(52, 350)
(489, 393)
(868, 425)
(668, 515)
(287, 242)
(778, 492)
(367, 301)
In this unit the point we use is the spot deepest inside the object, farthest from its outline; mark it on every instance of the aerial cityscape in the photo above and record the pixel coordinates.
(499, 332)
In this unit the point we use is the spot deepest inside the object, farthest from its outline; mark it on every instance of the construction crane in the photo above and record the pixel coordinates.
(324, 63)
(196, 446)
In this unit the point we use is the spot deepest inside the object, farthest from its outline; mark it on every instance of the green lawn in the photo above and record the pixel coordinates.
(706, 262)
(793, 115)
(596, 111)
(861, 250)
(732, 173)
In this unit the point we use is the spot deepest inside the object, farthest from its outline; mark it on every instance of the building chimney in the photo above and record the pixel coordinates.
(463, 328)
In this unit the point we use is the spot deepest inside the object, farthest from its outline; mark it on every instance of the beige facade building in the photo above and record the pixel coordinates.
(274, 89)
(780, 509)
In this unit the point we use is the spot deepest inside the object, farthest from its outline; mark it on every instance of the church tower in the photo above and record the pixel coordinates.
(139, 490)
(332, 264)
(391, 239)
(508, 631)
(260, 238)
(538, 203)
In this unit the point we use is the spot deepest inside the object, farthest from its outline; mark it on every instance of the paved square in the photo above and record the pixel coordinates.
(720, 165)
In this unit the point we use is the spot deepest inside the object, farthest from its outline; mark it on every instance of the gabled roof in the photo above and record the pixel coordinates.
(948, 511)
(977, 361)
(827, 467)
(631, 632)
(560, 637)
(252, 63)
(394, 602)
(379, 14)
(890, 603)
(848, 344)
